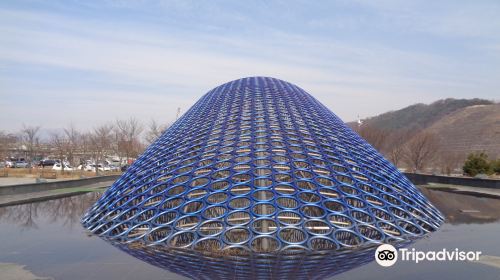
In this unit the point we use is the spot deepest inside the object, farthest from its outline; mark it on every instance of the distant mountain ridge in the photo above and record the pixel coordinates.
(421, 115)
(462, 125)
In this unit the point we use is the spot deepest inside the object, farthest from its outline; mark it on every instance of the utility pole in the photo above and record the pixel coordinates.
(360, 122)
(178, 113)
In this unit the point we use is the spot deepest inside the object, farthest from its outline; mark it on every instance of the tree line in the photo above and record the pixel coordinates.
(125, 138)
(413, 149)
(478, 163)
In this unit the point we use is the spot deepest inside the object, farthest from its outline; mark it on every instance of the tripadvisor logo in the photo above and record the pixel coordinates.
(386, 255)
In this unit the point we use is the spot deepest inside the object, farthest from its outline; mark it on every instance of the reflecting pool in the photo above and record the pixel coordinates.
(47, 237)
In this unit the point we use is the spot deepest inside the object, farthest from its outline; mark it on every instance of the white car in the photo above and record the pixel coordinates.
(114, 168)
(91, 167)
(84, 167)
(104, 168)
(58, 167)
(88, 167)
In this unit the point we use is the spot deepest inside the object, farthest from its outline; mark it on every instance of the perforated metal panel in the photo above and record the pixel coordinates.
(258, 165)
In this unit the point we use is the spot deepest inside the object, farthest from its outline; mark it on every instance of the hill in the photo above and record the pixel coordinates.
(420, 115)
(470, 129)
(461, 125)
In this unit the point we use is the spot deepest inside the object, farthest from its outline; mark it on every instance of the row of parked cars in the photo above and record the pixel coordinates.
(57, 165)
(100, 167)
(15, 164)
(88, 166)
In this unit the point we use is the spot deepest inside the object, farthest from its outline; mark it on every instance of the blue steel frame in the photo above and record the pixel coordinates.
(258, 165)
(303, 265)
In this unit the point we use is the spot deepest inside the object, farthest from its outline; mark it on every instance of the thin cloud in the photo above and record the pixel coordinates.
(110, 67)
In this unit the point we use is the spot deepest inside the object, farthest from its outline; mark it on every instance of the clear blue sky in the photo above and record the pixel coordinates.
(86, 62)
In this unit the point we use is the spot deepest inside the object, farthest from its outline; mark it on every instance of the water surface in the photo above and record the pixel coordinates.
(47, 237)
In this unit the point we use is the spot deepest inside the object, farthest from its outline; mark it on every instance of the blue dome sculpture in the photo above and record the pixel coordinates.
(259, 170)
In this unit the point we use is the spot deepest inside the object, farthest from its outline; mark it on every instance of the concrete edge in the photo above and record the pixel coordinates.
(37, 187)
(423, 179)
(42, 198)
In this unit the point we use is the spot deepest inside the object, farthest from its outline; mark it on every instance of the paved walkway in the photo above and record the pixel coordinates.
(12, 271)
(465, 190)
(493, 261)
(7, 200)
(7, 181)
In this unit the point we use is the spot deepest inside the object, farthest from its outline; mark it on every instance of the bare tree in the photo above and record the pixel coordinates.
(376, 137)
(449, 161)
(155, 130)
(395, 146)
(85, 145)
(29, 135)
(420, 150)
(129, 131)
(396, 154)
(73, 137)
(101, 142)
(60, 144)
(7, 142)
(117, 138)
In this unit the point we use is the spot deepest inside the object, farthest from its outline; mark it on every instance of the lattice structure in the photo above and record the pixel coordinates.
(290, 265)
(258, 165)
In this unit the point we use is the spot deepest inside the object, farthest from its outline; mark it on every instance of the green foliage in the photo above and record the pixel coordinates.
(495, 165)
(477, 164)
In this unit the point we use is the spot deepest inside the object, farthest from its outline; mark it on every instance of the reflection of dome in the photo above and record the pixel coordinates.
(260, 166)
(289, 265)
